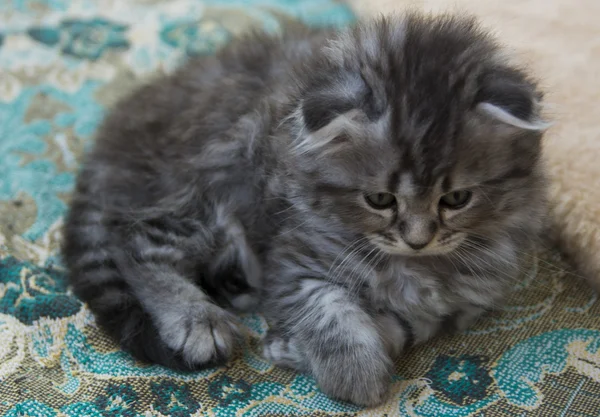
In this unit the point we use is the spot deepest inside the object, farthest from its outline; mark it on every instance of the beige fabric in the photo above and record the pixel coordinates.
(560, 41)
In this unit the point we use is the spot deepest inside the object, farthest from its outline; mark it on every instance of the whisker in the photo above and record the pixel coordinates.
(498, 270)
(338, 270)
(551, 267)
(355, 279)
(368, 268)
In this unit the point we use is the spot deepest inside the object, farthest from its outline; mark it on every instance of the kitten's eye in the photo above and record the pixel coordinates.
(380, 201)
(456, 199)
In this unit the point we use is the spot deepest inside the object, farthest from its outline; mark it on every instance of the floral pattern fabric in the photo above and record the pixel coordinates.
(62, 65)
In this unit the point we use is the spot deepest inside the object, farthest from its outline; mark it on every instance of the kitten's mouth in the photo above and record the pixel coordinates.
(442, 246)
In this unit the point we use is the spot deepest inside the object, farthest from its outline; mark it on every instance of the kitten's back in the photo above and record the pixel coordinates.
(167, 215)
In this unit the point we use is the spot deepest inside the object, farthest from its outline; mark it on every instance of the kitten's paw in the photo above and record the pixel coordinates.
(362, 378)
(207, 335)
(467, 318)
(282, 352)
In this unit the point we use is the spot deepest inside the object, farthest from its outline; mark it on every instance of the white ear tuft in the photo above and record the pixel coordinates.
(322, 139)
(501, 115)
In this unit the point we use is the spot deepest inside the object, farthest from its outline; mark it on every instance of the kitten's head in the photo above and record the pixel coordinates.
(416, 133)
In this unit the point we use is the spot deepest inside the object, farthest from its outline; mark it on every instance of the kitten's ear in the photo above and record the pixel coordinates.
(321, 108)
(331, 96)
(333, 111)
(508, 97)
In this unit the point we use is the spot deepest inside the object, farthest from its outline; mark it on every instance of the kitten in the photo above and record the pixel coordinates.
(376, 186)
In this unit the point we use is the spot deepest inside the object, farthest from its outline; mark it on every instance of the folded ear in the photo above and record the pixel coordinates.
(333, 110)
(331, 95)
(507, 96)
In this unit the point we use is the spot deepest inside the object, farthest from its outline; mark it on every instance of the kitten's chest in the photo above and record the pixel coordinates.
(412, 291)
(421, 299)
(411, 304)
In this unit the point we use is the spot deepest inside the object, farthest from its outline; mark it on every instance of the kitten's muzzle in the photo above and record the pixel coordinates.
(418, 232)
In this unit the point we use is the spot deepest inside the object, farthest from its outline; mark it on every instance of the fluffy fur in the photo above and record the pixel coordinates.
(374, 186)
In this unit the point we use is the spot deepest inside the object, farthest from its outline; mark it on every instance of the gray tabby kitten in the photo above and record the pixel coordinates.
(377, 185)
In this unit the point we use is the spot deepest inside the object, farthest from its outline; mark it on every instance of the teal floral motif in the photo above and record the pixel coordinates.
(85, 113)
(462, 379)
(173, 399)
(86, 39)
(29, 293)
(118, 364)
(47, 36)
(83, 409)
(195, 38)
(316, 13)
(227, 390)
(30, 408)
(525, 364)
(33, 6)
(118, 401)
(39, 179)
(515, 374)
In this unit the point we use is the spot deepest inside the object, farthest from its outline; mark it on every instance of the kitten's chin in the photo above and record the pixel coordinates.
(435, 248)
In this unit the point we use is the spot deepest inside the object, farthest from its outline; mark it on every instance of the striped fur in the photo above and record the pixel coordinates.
(251, 174)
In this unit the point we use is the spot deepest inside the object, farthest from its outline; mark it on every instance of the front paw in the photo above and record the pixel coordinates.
(282, 351)
(357, 375)
(207, 335)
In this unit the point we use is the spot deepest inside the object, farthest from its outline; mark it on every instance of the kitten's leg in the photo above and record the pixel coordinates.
(188, 321)
(235, 271)
(339, 342)
(138, 281)
(395, 331)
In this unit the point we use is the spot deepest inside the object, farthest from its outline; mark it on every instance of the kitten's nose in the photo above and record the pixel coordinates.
(416, 246)
(417, 233)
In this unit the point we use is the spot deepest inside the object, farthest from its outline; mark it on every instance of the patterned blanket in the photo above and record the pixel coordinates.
(62, 63)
